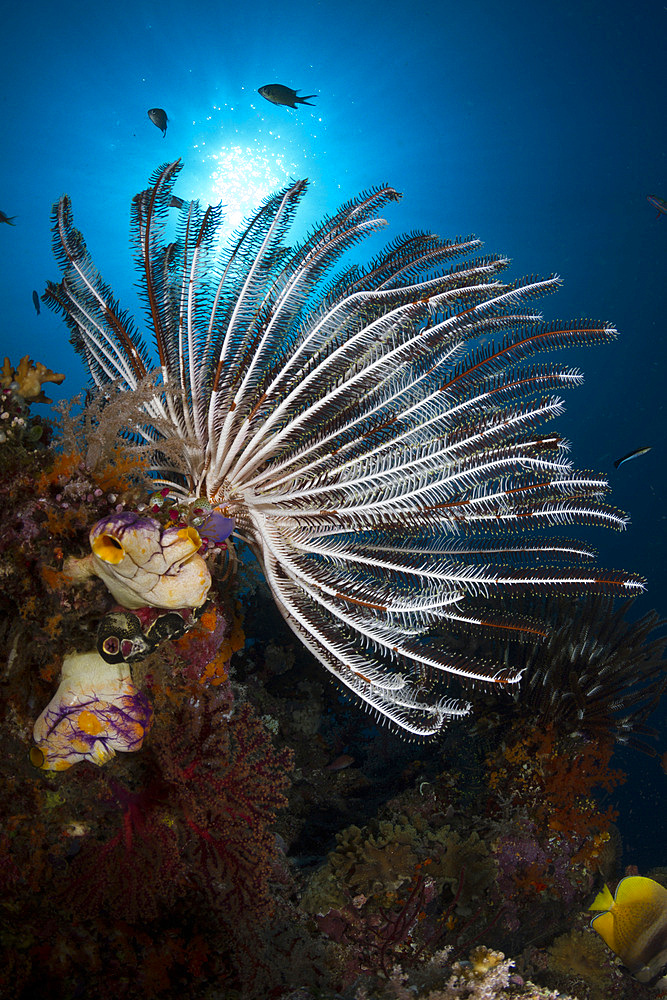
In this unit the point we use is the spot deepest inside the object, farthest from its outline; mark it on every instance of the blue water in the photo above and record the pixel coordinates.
(541, 128)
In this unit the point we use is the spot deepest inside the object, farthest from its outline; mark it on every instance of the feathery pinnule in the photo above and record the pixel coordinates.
(377, 433)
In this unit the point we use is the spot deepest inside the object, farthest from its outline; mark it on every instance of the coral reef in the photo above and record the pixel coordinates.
(184, 866)
(201, 862)
(555, 850)
(28, 378)
(363, 443)
(21, 431)
(268, 842)
(137, 853)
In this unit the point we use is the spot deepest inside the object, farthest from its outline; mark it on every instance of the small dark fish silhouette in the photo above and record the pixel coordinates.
(340, 763)
(631, 454)
(278, 94)
(35, 300)
(176, 202)
(6, 218)
(658, 203)
(159, 117)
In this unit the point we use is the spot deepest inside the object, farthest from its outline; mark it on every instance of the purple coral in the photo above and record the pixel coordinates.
(216, 528)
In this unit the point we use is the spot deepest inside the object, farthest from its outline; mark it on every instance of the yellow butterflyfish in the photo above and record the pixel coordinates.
(634, 924)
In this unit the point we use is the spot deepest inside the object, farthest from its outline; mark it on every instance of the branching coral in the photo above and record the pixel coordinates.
(106, 426)
(228, 784)
(139, 870)
(484, 975)
(550, 828)
(192, 829)
(373, 939)
(380, 860)
(28, 379)
(21, 431)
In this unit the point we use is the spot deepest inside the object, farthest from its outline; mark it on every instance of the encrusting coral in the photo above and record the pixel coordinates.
(28, 378)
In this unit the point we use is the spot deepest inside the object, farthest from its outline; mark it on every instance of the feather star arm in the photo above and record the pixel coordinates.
(382, 455)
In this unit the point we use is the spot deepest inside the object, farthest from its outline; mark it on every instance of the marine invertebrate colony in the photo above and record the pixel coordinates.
(28, 378)
(381, 463)
(144, 565)
(95, 712)
(597, 674)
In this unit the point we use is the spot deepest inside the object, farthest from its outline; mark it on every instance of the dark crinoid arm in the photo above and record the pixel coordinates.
(378, 434)
(597, 673)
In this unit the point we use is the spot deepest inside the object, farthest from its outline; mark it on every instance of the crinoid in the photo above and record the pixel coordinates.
(597, 674)
(381, 464)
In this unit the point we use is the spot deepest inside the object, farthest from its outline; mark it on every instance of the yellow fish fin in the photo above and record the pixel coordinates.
(604, 924)
(603, 901)
(639, 889)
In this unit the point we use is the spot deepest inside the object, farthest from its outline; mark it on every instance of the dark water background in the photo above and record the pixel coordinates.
(539, 127)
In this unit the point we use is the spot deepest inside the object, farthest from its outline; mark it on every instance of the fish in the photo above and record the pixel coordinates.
(159, 117)
(658, 203)
(634, 925)
(278, 94)
(35, 301)
(176, 202)
(340, 763)
(6, 218)
(631, 454)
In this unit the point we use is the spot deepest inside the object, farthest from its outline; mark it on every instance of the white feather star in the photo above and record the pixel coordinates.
(381, 466)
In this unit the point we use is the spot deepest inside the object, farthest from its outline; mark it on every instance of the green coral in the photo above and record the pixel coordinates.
(584, 955)
(371, 860)
(382, 858)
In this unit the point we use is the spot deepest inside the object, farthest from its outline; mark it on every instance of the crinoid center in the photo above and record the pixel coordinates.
(144, 564)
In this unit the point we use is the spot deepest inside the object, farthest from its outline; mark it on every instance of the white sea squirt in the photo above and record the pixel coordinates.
(144, 564)
(96, 712)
